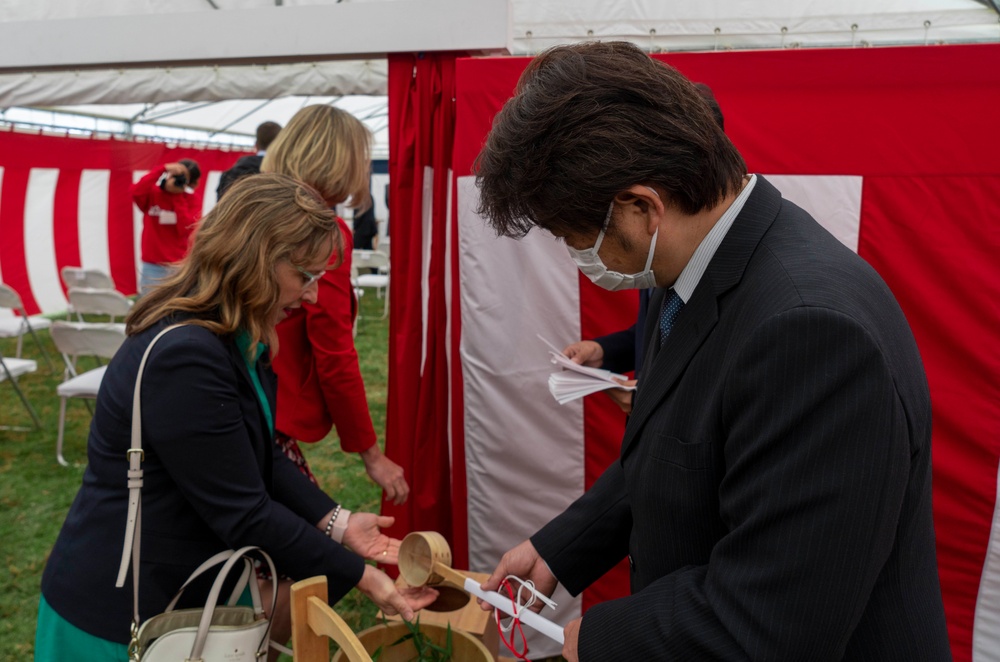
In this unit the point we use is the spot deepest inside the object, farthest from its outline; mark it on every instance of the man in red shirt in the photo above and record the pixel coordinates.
(170, 210)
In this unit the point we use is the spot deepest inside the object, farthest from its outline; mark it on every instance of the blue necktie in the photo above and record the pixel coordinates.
(672, 304)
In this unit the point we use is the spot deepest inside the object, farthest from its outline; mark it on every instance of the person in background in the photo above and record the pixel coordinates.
(213, 478)
(773, 490)
(366, 228)
(622, 351)
(249, 165)
(319, 380)
(170, 213)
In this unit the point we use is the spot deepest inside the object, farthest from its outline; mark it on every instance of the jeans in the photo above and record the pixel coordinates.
(151, 275)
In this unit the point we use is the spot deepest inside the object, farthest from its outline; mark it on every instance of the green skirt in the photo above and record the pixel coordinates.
(57, 640)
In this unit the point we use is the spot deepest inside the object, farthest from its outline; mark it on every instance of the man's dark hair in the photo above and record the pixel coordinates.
(266, 133)
(194, 171)
(713, 104)
(586, 122)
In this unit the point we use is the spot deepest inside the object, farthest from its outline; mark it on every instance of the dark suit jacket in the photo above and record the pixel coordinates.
(213, 480)
(774, 487)
(244, 166)
(623, 350)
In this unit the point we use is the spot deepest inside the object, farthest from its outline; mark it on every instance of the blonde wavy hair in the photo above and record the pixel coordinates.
(327, 148)
(227, 282)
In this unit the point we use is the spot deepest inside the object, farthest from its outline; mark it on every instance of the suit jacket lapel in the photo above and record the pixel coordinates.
(663, 366)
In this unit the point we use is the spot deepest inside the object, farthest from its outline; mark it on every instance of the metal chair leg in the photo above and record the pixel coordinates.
(27, 405)
(41, 347)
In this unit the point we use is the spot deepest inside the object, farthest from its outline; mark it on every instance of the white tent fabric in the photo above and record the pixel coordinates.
(676, 25)
(155, 85)
(535, 25)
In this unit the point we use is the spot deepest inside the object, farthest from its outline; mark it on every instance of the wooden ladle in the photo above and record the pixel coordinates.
(425, 559)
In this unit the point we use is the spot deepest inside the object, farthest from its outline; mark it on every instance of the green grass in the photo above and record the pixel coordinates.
(36, 492)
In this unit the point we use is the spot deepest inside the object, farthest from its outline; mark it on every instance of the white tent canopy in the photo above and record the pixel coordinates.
(267, 58)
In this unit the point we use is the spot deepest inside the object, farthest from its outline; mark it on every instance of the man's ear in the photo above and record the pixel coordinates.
(646, 201)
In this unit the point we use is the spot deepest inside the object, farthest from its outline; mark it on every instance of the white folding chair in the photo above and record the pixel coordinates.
(21, 324)
(73, 340)
(98, 301)
(364, 259)
(10, 370)
(358, 293)
(80, 277)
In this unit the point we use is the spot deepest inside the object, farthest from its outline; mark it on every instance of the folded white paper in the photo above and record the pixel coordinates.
(575, 380)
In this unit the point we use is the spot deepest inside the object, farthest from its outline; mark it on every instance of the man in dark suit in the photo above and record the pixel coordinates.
(622, 351)
(773, 493)
(249, 165)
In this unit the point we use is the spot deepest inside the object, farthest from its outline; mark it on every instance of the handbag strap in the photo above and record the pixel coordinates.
(232, 558)
(237, 592)
(133, 523)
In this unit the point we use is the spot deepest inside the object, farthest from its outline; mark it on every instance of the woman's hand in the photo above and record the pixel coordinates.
(392, 599)
(387, 474)
(364, 537)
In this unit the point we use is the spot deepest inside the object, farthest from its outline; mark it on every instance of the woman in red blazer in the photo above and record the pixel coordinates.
(319, 381)
(320, 384)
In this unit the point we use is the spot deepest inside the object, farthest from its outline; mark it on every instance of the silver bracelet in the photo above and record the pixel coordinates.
(333, 518)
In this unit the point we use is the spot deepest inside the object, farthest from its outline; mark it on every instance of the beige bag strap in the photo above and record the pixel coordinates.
(232, 558)
(133, 524)
(244, 582)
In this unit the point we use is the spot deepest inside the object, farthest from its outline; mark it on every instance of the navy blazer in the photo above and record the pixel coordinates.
(214, 480)
(773, 492)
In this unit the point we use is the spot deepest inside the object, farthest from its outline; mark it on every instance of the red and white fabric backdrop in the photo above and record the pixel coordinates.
(66, 202)
(895, 150)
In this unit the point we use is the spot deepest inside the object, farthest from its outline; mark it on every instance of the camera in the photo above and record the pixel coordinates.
(180, 180)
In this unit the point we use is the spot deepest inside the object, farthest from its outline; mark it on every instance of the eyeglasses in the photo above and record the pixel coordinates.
(310, 277)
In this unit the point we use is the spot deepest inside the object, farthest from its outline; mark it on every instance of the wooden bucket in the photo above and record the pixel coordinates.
(465, 647)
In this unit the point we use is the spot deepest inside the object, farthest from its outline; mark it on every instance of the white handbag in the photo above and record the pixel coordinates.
(214, 633)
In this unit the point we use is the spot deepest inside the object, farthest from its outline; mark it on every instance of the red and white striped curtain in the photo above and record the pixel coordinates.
(65, 201)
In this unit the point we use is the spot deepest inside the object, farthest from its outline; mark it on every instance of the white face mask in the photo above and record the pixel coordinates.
(593, 267)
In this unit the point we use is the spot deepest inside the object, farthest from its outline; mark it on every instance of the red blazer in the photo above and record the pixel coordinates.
(164, 243)
(319, 381)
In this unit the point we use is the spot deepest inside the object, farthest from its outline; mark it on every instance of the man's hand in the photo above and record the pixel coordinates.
(621, 397)
(364, 537)
(387, 474)
(392, 599)
(172, 170)
(523, 561)
(585, 352)
(571, 636)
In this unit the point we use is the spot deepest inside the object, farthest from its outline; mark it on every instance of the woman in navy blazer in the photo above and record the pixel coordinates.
(213, 478)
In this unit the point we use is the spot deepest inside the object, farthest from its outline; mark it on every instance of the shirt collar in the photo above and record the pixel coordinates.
(696, 266)
(243, 343)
